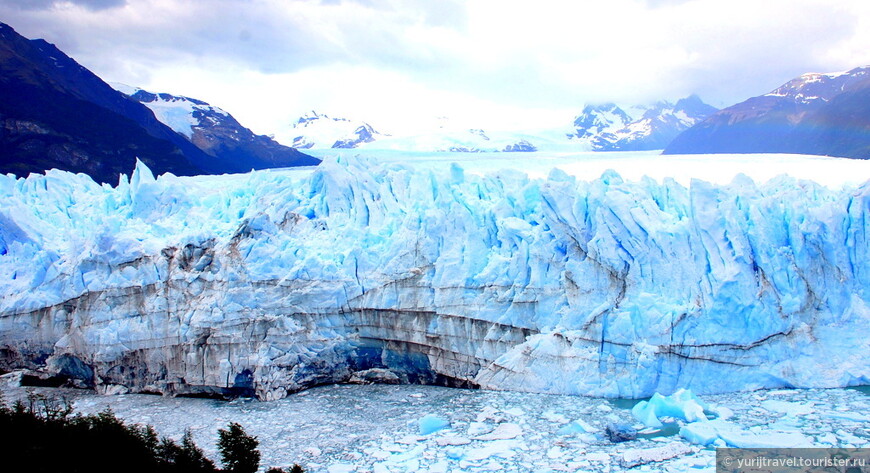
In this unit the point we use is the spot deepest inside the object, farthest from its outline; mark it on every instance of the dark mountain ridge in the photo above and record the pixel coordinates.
(55, 113)
(823, 114)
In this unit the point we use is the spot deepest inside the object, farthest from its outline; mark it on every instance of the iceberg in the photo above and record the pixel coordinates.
(721, 433)
(682, 404)
(432, 423)
(577, 426)
(270, 282)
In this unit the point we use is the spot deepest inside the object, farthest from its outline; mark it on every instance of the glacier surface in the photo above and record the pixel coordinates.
(270, 282)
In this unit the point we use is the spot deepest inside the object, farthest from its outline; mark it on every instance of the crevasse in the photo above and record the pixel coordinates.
(271, 282)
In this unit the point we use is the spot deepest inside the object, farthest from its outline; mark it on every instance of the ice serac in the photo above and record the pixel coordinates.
(268, 283)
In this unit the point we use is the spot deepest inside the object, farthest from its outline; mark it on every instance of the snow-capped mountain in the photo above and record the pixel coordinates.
(217, 133)
(826, 114)
(320, 131)
(814, 89)
(180, 113)
(445, 136)
(608, 127)
(57, 114)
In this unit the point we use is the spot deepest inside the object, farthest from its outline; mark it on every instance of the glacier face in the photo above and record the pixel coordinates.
(271, 282)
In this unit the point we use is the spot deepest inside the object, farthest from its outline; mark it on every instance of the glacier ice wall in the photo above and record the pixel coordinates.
(267, 283)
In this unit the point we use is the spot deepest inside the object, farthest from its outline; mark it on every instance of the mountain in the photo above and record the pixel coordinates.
(314, 130)
(214, 131)
(607, 127)
(433, 274)
(54, 113)
(825, 114)
(447, 137)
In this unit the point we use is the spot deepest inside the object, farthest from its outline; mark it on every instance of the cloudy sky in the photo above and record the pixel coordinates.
(486, 63)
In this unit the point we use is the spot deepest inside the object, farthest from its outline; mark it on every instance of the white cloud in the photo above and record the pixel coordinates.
(497, 61)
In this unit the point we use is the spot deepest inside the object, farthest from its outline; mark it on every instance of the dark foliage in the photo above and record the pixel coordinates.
(238, 449)
(293, 469)
(48, 437)
(186, 457)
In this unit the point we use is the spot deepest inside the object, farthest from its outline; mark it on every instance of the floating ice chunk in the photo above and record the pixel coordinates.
(647, 415)
(409, 439)
(504, 431)
(850, 416)
(707, 433)
(702, 433)
(555, 452)
(405, 457)
(640, 456)
(767, 440)
(479, 428)
(341, 468)
(439, 467)
(788, 408)
(555, 417)
(602, 457)
(455, 453)
(489, 413)
(313, 451)
(682, 404)
(721, 412)
(849, 439)
(576, 427)
(431, 423)
(500, 448)
(380, 454)
(452, 440)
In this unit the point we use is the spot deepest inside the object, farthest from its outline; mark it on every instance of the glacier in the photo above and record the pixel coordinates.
(274, 281)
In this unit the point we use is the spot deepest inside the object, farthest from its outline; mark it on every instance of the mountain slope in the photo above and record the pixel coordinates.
(217, 133)
(815, 113)
(607, 127)
(842, 126)
(57, 114)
